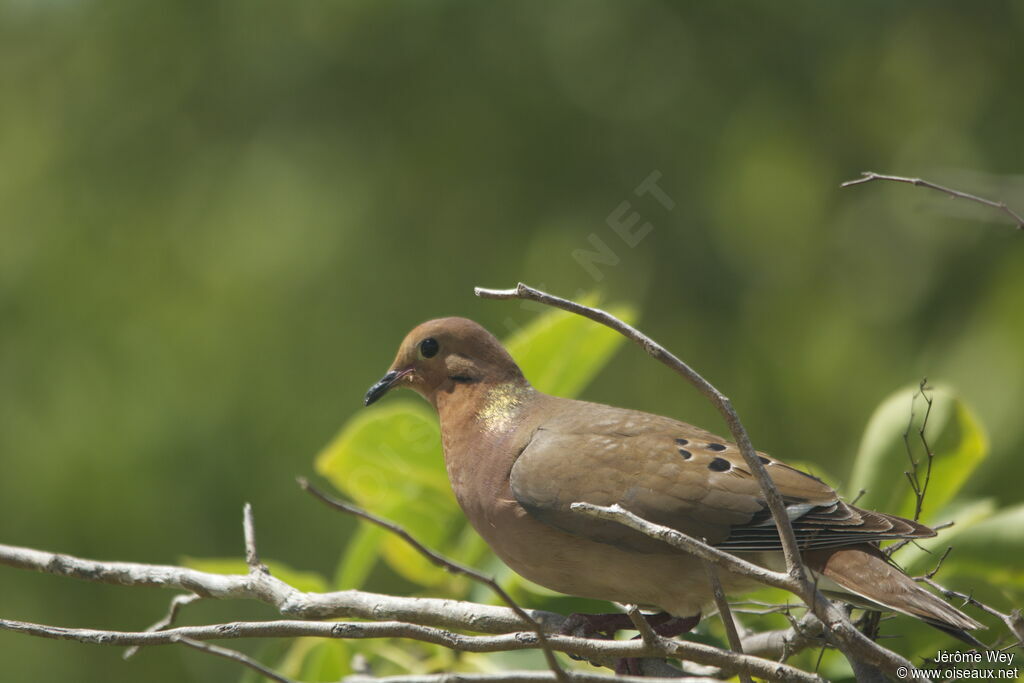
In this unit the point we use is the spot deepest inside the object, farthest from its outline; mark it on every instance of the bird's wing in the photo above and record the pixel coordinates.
(679, 476)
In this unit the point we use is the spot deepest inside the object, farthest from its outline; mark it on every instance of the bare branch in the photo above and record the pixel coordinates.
(868, 176)
(938, 565)
(677, 539)
(806, 632)
(1013, 621)
(447, 565)
(235, 656)
(290, 602)
(588, 648)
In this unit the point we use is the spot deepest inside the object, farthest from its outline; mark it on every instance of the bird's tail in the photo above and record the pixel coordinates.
(867, 573)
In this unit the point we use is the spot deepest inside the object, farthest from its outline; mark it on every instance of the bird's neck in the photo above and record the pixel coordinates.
(482, 408)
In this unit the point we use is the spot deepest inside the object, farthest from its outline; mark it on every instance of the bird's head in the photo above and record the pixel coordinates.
(441, 355)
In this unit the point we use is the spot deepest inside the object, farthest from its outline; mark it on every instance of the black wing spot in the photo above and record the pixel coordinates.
(764, 460)
(717, 446)
(682, 442)
(685, 453)
(719, 465)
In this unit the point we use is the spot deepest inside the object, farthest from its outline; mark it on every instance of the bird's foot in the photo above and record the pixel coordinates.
(591, 625)
(666, 626)
(605, 626)
(629, 666)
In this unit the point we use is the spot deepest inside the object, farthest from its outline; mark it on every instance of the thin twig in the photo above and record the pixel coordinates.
(177, 602)
(938, 565)
(868, 176)
(1013, 621)
(677, 539)
(589, 648)
(647, 634)
(920, 489)
(446, 564)
(725, 613)
(906, 541)
(235, 656)
(252, 558)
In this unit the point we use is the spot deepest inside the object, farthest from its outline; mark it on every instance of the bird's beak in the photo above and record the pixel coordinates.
(384, 384)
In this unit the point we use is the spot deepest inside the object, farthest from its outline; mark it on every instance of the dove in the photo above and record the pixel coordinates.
(517, 459)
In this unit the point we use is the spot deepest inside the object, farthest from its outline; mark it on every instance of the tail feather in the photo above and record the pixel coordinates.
(867, 573)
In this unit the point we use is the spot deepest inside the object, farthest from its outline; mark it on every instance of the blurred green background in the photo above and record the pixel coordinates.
(220, 218)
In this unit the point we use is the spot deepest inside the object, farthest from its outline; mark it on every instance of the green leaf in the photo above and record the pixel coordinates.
(306, 581)
(316, 659)
(392, 447)
(389, 460)
(921, 555)
(560, 353)
(360, 557)
(956, 438)
(992, 548)
(327, 660)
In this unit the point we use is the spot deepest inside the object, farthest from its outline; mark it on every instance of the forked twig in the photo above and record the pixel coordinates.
(919, 488)
(177, 602)
(1013, 621)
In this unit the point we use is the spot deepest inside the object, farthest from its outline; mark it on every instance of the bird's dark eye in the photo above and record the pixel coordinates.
(429, 347)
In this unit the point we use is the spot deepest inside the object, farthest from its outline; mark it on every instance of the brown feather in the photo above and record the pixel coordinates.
(865, 571)
(517, 459)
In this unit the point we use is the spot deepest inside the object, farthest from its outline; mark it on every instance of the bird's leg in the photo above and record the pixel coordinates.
(595, 625)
